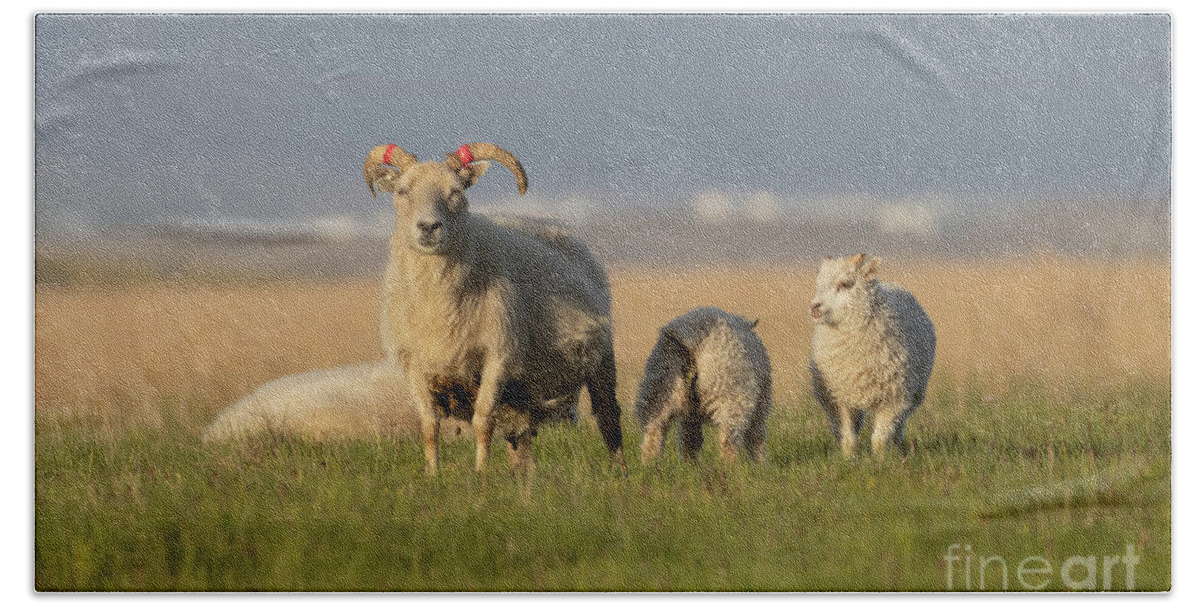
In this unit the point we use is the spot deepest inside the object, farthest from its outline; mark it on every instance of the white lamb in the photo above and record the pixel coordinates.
(873, 348)
(708, 365)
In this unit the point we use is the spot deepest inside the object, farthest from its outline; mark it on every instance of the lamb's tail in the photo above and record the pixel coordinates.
(355, 401)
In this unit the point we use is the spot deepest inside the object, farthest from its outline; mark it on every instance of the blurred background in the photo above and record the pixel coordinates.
(233, 143)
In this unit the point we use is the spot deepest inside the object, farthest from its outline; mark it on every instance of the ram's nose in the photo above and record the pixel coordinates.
(429, 228)
(815, 310)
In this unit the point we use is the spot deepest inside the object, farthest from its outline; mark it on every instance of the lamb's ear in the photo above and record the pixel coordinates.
(472, 172)
(857, 259)
(868, 270)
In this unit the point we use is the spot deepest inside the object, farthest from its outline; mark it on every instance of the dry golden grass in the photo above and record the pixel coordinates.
(118, 354)
(1068, 323)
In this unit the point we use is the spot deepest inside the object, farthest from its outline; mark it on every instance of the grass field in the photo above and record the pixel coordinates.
(1046, 434)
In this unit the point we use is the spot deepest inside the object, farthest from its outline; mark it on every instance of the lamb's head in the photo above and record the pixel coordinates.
(845, 287)
(431, 207)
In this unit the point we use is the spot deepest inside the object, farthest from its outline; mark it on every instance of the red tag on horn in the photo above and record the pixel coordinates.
(464, 154)
(387, 154)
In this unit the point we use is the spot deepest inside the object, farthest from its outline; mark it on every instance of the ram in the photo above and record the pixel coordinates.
(516, 313)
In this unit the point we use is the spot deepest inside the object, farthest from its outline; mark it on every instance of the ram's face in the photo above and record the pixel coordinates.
(431, 205)
(841, 282)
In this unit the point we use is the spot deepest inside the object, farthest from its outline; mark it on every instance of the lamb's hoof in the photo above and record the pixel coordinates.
(618, 458)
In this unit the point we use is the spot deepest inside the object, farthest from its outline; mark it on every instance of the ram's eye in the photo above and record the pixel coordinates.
(844, 285)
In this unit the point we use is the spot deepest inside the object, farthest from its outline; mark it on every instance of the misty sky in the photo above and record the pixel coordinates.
(158, 118)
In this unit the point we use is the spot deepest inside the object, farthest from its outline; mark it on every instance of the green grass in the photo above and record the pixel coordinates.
(1027, 473)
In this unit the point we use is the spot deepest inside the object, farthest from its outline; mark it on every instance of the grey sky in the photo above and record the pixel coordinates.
(148, 118)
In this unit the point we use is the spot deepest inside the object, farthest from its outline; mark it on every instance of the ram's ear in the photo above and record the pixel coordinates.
(378, 167)
(384, 179)
(472, 172)
(870, 268)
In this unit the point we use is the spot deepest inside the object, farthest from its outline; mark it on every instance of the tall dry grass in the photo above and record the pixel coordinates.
(1070, 323)
(116, 355)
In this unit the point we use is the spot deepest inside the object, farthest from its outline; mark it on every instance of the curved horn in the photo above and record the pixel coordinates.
(485, 151)
(387, 154)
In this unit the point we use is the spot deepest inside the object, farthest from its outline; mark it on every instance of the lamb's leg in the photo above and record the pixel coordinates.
(664, 403)
(756, 434)
(825, 400)
(484, 420)
(728, 443)
(734, 418)
(691, 434)
(602, 390)
(850, 420)
(898, 433)
(887, 425)
(654, 436)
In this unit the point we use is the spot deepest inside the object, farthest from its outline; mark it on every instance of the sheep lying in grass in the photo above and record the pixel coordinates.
(515, 313)
(362, 401)
(707, 366)
(356, 401)
(872, 351)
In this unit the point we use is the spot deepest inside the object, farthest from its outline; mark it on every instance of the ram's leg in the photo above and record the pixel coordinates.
(484, 420)
(430, 428)
(430, 420)
(572, 408)
(520, 451)
(602, 389)
(521, 425)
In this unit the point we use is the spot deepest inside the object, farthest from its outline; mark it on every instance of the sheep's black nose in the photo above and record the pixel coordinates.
(429, 227)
